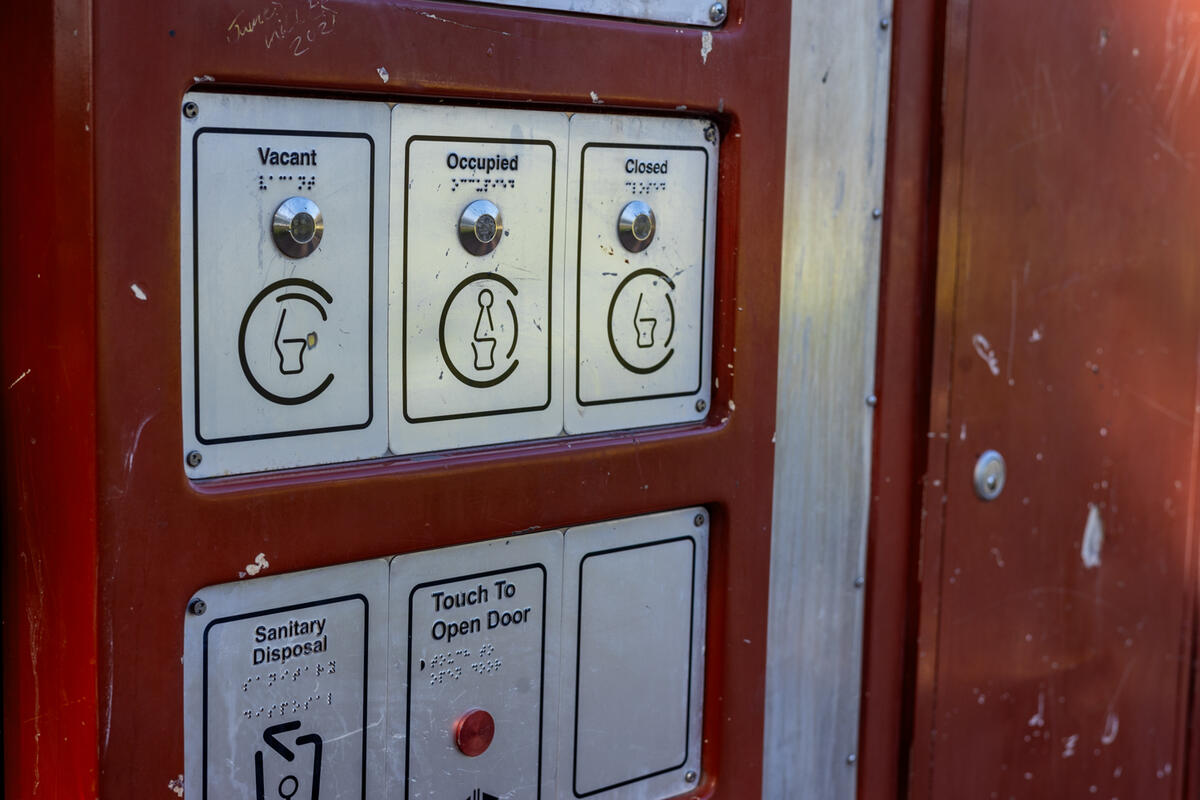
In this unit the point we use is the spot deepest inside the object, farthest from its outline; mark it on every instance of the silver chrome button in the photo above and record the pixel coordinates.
(480, 227)
(635, 226)
(297, 227)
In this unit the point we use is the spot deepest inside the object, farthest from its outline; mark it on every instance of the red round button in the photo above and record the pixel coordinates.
(473, 732)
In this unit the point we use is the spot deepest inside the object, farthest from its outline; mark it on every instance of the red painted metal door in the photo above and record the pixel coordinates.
(1055, 647)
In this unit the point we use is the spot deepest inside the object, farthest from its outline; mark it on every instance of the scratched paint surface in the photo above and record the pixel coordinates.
(1055, 626)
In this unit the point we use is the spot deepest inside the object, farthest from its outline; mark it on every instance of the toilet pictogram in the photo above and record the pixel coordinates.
(479, 330)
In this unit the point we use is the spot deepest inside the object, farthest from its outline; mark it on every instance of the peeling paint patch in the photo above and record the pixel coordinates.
(176, 785)
(137, 292)
(1036, 335)
(383, 74)
(259, 564)
(705, 45)
(1093, 538)
(203, 79)
(983, 349)
(596, 98)
(1069, 744)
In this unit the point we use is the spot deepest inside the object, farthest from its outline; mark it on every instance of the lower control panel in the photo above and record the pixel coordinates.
(564, 664)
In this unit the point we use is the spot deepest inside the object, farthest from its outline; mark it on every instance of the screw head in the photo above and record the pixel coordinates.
(194, 458)
(710, 133)
(885, 23)
(990, 475)
(859, 582)
(717, 12)
(190, 109)
(197, 607)
(690, 776)
(876, 213)
(852, 759)
(701, 405)
(872, 400)
(699, 520)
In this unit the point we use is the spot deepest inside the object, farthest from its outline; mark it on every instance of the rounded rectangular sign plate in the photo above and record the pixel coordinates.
(284, 686)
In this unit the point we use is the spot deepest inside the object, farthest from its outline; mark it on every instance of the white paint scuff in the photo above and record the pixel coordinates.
(1038, 720)
(259, 564)
(1069, 744)
(1093, 538)
(137, 292)
(984, 350)
(596, 98)
(176, 785)
(20, 377)
(1112, 724)
(705, 45)
(383, 74)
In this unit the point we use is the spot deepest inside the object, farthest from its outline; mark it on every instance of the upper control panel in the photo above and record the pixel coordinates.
(486, 275)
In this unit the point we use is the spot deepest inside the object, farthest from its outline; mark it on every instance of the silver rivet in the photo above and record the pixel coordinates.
(480, 228)
(710, 133)
(872, 400)
(190, 109)
(690, 776)
(876, 213)
(197, 607)
(701, 405)
(635, 226)
(698, 520)
(990, 474)
(194, 458)
(885, 23)
(717, 12)
(859, 582)
(851, 759)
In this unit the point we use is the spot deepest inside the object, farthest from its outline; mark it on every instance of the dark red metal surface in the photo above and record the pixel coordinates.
(902, 388)
(1068, 317)
(47, 405)
(160, 537)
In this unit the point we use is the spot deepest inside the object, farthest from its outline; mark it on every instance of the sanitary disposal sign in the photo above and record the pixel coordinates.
(284, 686)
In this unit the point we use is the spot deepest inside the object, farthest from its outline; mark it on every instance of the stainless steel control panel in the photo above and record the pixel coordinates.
(361, 279)
(563, 664)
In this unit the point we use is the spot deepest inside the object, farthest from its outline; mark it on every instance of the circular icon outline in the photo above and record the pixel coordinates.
(612, 342)
(258, 387)
(442, 330)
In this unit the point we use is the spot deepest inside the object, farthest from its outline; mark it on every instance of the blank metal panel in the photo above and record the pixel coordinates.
(633, 621)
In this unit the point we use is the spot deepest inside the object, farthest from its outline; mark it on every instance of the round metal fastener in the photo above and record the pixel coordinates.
(297, 227)
(197, 607)
(885, 23)
(190, 109)
(852, 759)
(635, 226)
(860, 582)
(480, 227)
(701, 405)
(194, 458)
(990, 474)
(717, 12)
(698, 520)
(690, 776)
(876, 213)
(473, 732)
(710, 133)
(872, 400)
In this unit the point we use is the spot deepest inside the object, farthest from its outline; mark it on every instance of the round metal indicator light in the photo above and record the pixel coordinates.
(473, 732)
(635, 226)
(480, 228)
(297, 227)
